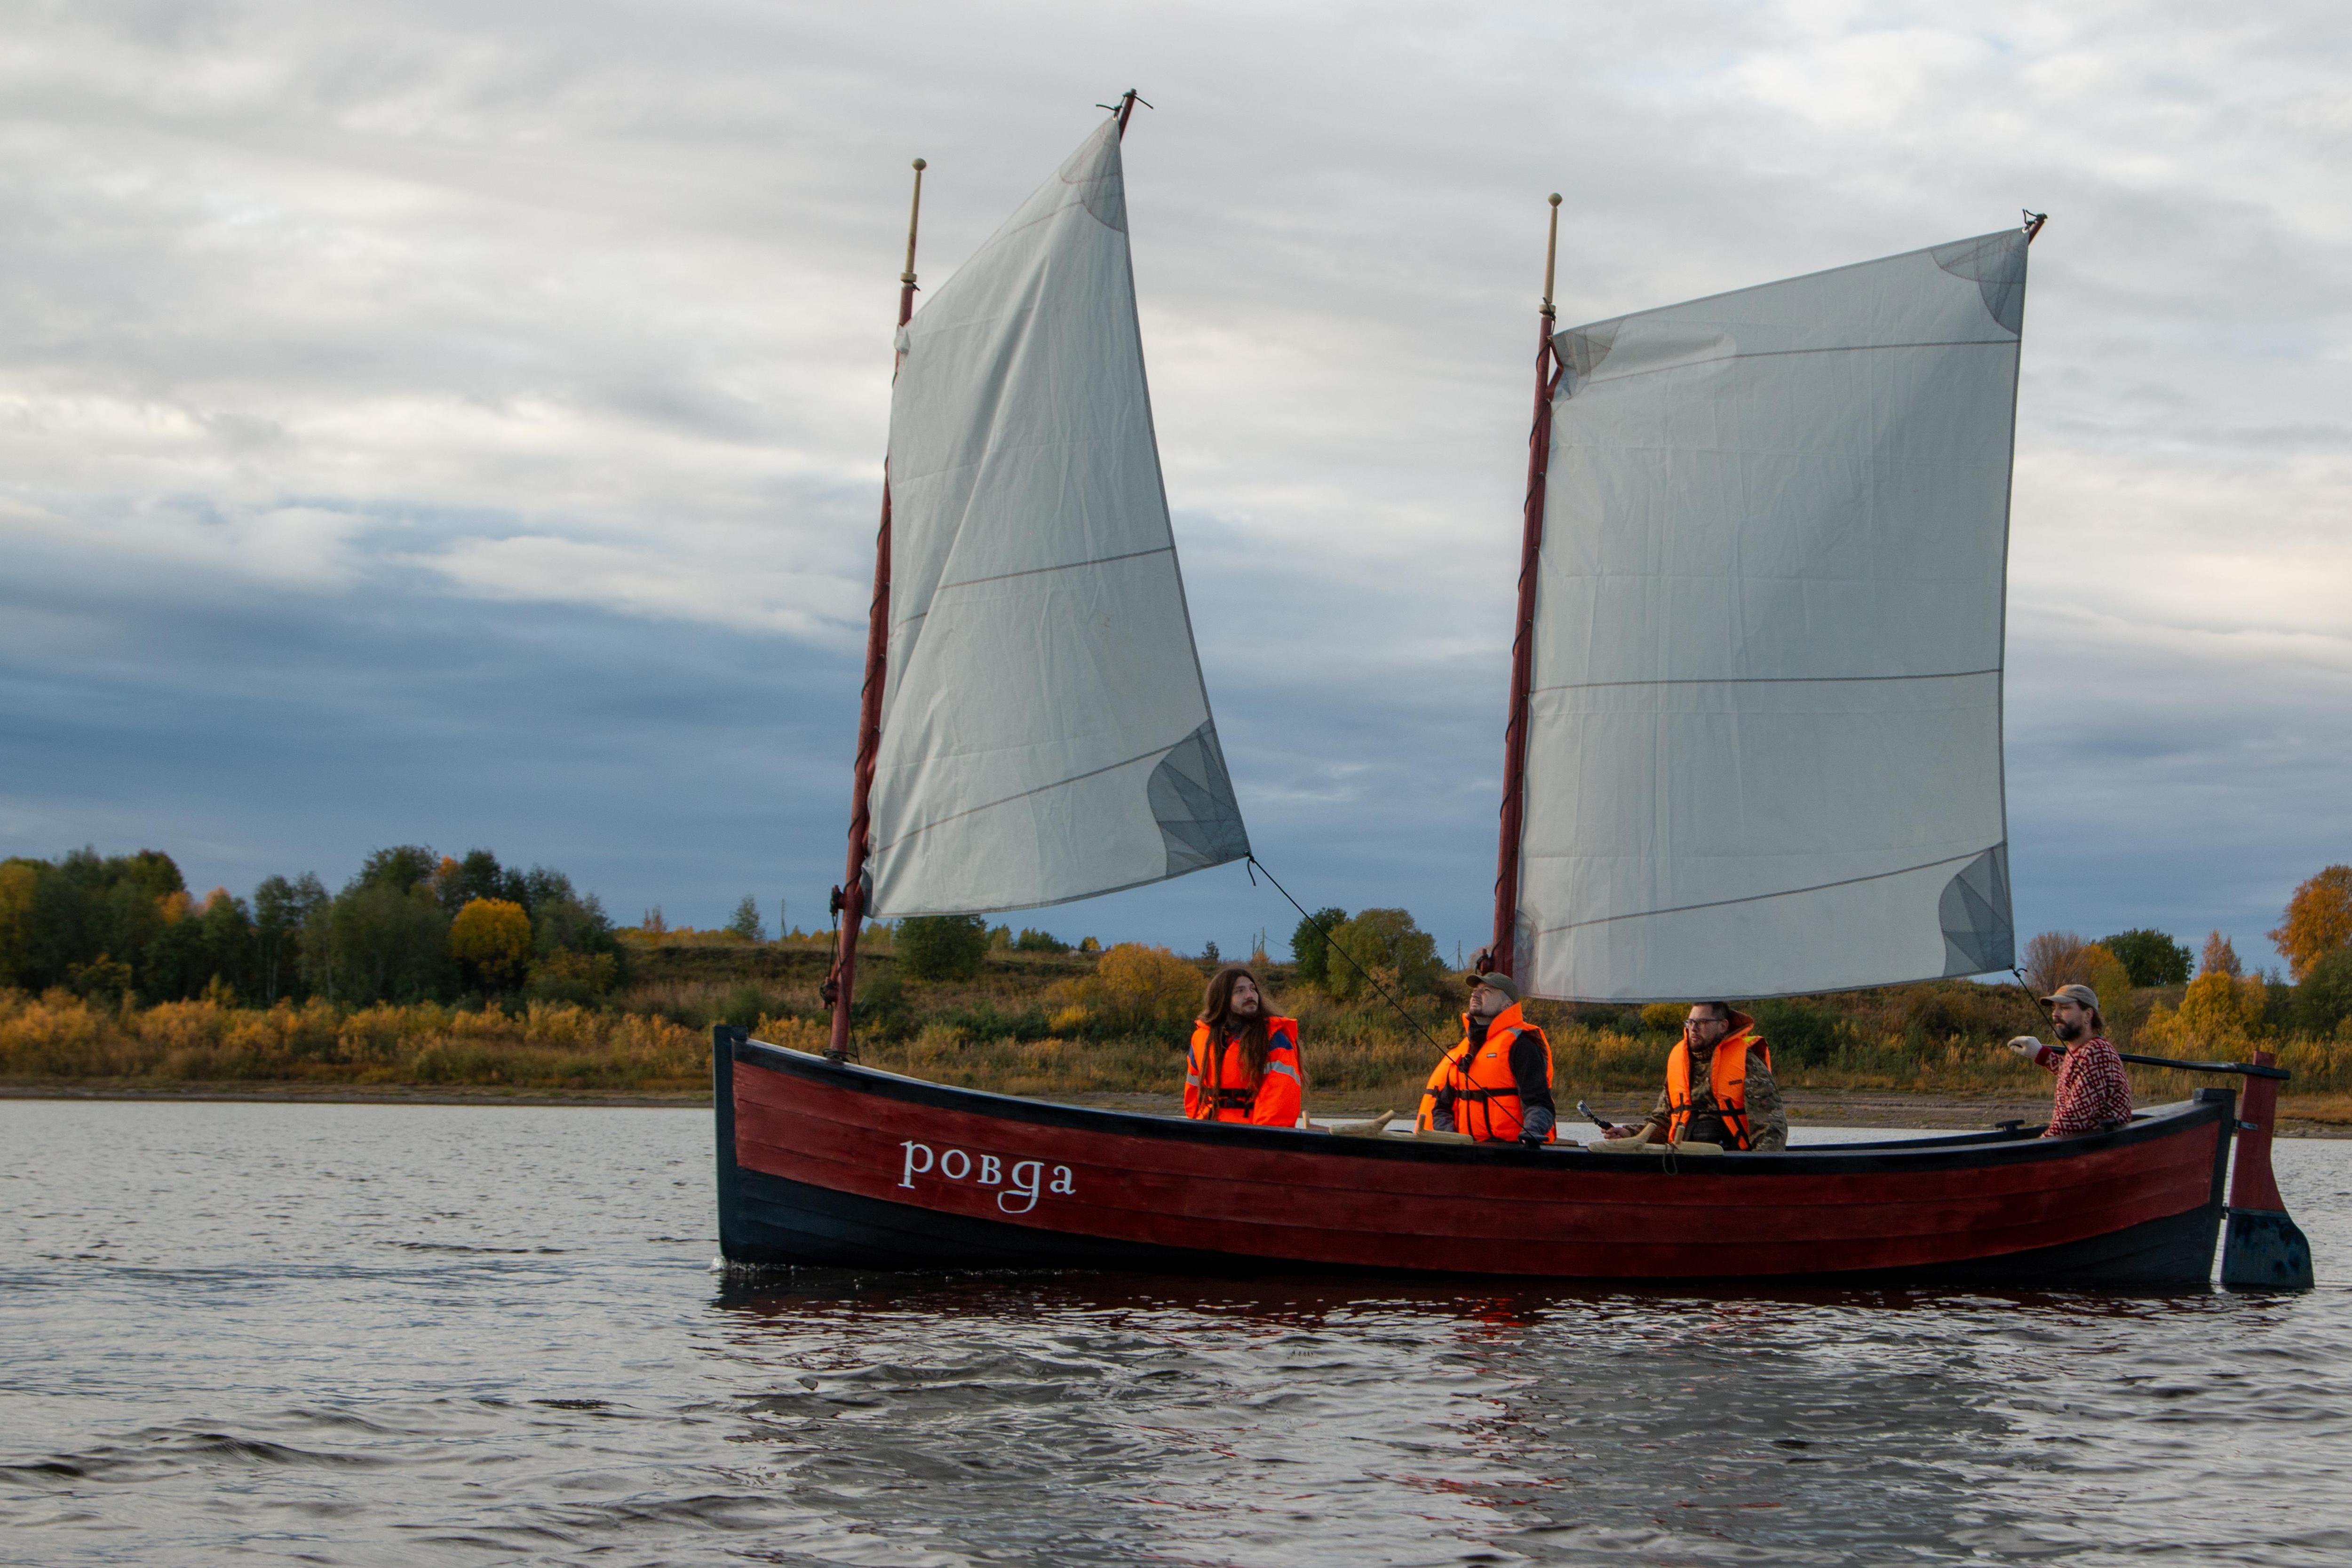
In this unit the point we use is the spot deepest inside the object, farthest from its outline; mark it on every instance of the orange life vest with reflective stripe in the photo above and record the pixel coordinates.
(1486, 1102)
(1218, 1088)
(1726, 1075)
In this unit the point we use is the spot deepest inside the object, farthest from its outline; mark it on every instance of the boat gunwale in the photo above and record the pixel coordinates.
(1959, 1152)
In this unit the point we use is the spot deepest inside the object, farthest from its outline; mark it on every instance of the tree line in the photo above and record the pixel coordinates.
(412, 926)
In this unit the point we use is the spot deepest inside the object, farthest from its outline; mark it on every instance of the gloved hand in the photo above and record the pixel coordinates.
(1536, 1126)
(2026, 1046)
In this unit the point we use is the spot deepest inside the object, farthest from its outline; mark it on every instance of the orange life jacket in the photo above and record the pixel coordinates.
(1218, 1087)
(1727, 1074)
(1486, 1095)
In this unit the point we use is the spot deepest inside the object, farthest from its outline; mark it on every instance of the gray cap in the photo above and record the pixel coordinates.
(1498, 980)
(2082, 995)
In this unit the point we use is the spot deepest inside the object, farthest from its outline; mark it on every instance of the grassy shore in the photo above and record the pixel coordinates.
(1043, 1025)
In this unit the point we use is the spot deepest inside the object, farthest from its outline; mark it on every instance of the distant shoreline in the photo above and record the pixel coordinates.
(1891, 1109)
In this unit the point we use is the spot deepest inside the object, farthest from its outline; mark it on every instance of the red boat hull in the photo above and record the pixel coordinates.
(840, 1166)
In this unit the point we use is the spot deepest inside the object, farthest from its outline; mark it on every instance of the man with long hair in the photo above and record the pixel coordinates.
(1244, 1065)
(2093, 1093)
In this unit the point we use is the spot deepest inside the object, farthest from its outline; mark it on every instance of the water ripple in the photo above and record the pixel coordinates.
(419, 1336)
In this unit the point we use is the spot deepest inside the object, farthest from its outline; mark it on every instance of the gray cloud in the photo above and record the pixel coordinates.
(395, 331)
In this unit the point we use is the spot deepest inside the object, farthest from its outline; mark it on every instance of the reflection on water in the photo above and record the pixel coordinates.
(417, 1335)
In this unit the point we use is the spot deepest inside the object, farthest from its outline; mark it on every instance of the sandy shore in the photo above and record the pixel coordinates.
(2321, 1118)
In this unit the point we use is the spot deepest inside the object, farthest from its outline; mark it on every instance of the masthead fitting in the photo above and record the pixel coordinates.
(1551, 256)
(914, 213)
(1125, 106)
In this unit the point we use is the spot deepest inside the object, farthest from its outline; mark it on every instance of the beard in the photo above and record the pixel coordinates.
(2072, 1030)
(1246, 1007)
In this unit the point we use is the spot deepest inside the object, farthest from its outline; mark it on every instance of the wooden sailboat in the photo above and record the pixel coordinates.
(1753, 748)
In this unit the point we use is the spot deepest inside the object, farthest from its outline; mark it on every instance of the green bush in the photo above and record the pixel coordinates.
(942, 946)
(1386, 944)
(2324, 1001)
(881, 1006)
(2150, 957)
(983, 1021)
(1799, 1034)
(1310, 951)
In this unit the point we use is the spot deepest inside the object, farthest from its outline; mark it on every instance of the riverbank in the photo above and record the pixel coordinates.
(2317, 1116)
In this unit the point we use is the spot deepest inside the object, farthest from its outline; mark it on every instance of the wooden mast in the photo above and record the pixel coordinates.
(849, 898)
(1503, 955)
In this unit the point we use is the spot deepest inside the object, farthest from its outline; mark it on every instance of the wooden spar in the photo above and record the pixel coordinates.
(1503, 955)
(849, 898)
(1127, 102)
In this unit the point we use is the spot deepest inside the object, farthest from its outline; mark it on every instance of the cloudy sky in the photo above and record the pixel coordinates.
(463, 424)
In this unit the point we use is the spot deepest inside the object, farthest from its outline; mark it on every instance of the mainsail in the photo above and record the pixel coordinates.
(1046, 733)
(1764, 734)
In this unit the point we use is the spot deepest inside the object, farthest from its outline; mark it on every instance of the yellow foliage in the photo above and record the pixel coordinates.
(2218, 1017)
(2106, 975)
(1133, 985)
(794, 1033)
(174, 907)
(1665, 1016)
(2318, 920)
(494, 935)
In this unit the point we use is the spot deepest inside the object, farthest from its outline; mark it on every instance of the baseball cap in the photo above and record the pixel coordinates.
(1500, 981)
(2081, 995)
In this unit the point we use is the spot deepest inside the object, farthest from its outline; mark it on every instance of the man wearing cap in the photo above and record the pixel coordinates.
(2093, 1093)
(1719, 1088)
(1496, 1085)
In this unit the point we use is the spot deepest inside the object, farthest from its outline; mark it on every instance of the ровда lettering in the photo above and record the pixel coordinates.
(1022, 1183)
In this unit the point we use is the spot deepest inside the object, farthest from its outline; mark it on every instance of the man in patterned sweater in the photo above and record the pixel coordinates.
(2093, 1093)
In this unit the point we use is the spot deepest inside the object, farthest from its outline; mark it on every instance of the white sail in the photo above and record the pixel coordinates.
(1765, 735)
(1045, 734)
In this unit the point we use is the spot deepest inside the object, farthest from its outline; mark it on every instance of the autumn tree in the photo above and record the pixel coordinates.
(2218, 1016)
(2221, 958)
(491, 940)
(2318, 920)
(2053, 959)
(2110, 982)
(1384, 944)
(1134, 989)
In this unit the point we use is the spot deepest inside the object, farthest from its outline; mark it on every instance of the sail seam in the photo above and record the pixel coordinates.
(1760, 898)
(1766, 680)
(1056, 784)
(1067, 566)
(1598, 380)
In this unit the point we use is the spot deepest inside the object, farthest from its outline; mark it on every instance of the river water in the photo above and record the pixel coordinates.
(421, 1336)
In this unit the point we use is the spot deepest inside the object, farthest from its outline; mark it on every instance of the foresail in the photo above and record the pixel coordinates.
(1046, 733)
(1765, 729)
